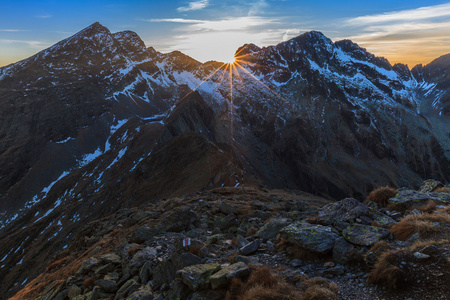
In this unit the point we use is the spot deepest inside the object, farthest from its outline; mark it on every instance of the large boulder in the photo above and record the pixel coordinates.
(315, 238)
(144, 293)
(409, 198)
(430, 185)
(197, 277)
(222, 278)
(342, 251)
(272, 228)
(141, 257)
(364, 235)
(178, 220)
(165, 271)
(350, 210)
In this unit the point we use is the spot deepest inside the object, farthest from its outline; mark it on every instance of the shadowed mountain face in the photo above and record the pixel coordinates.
(99, 122)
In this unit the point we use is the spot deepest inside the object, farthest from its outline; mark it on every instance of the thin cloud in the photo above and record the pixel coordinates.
(12, 30)
(421, 13)
(33, 44)
(195, 5)
(401, 35)
(228, 24)
(44, 16)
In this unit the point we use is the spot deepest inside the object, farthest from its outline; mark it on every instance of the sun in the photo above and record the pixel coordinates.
(229, 59)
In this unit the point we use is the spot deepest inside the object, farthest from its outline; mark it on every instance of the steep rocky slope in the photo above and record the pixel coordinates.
(207, 245)
(99, 122)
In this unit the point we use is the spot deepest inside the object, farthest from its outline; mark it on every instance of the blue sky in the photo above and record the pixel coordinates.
(405, 31)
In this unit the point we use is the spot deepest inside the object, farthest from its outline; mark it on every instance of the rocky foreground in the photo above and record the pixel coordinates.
(250, 243)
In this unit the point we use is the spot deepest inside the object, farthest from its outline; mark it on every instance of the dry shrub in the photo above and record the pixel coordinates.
(88, 282)
(313, 220)
(382, 195)
(442, 190)
(134, 250)
(234, 241)
(251, 231)
(319, 293)
(320, 289)
(428, 208)
(423, 224)
(384, 272)
(445, 210)
(59, 263)
(263, 284)
(195, 249)
(380, 247)
(232, 256)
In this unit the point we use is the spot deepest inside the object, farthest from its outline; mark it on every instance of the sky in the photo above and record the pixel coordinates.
(403, 31)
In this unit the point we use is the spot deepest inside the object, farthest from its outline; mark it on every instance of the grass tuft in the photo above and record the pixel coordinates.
(382, 195)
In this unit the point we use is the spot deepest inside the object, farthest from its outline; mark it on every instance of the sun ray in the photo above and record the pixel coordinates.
(203, 81)
(254, 77)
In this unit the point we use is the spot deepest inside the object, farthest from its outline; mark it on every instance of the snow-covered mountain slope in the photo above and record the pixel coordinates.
(98, 122)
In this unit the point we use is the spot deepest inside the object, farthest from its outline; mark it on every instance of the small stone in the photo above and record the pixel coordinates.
(296, 263)
(251, 247)
(419, 255)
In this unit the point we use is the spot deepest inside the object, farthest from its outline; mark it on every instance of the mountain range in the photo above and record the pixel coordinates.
(99, 122)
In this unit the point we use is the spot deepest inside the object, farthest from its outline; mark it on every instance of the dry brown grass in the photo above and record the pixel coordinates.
(384, 272)
(382, 195)
(88, 282)
(423, 224)
(263, 284)
(251, 231)
(445, 210)
(442, 190)
(58, 264)
(428, 208)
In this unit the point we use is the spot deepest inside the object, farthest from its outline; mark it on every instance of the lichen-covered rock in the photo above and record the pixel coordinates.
(364, 235)
(74, 291)
(165, 271)
(409, 198)
(349, 210)
(342, 251)
(272, 228)
(316, 238)
(88, 265)
(138, 260)
(110, 258)
(179, 220)
(208, 295)
(127, 288)
(178, 290)
(144, 293)
(143, 234)
(107, 285)
(197, 277)
(222, 278)
(430, 185)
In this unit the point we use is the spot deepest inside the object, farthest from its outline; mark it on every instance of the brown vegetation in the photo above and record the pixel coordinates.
(428, 208)
(382, 195)
(423, 224)
(385, 273)
(442, 190)
(263, 284)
